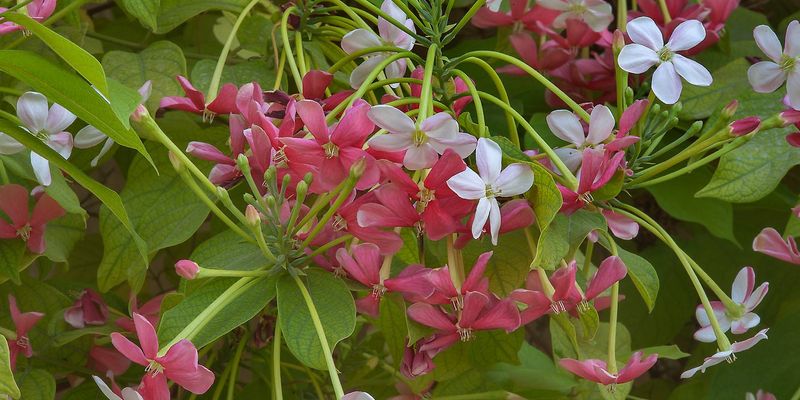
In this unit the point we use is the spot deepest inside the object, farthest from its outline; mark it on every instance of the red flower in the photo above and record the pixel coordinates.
(89, 309)
(23, 323)
(30, 228)
(195, 100)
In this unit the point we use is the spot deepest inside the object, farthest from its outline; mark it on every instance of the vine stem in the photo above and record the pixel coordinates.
(501, 91)
(298, 80)
(213, 87)
(237, 358)
(476, 99)
(464, 20)
(326, 350)
(426, 96)
(276, 361)
(530, 71)
(612, 328)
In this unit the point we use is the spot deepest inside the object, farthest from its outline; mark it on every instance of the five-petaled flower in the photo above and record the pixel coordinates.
(488, 184)
(648, 49)
(597, 370)
(23, 323)
(728, 355)
(767, 76)
(28, 227)
(179, 363)
(740, 320)
(597, 14)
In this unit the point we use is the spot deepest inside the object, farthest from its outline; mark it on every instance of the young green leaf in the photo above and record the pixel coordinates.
(7, 384)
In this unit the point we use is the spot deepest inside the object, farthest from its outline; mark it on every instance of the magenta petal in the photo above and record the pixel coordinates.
(432, 316)
(154, 387)
(610, 271)
(474, 304)
(179, 103)
(502, 315)
(198, 100)
(14, 203)
(586, 369)
(354, 127)
(314, 84)
(180, 365)
(147, 336)
(128, 349)
(208, 152)
(537, 304)
(314, 118)
(636, 366)
(476, 273)
(225, 102)
(770, 242)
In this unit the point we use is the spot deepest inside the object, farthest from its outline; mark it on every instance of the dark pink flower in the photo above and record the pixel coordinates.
(179, 364)
(363, 264)
(150, 310)
(597, 169)
(195, 100)
(744, 126)
(346, 220)
(38, 10)
(519, 14)
(597, 370)
(770, 242)
(89, 309)
(29, 228)
(416, 363)
(549, 56)
(105, 360)
(187, 269)
(23, 323)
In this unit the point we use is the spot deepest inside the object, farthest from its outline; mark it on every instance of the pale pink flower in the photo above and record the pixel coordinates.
(390, 35)
(488, 184)
(45, 124)
(760, 395)
(179, 363)
(743, 294)
(770, 242)
(424, 143)
(358, 396)
(597, 14)
(767, 76)
(187, 269)
(113, 393)
(566, 126)
(726, 355)
(648, 49)
(597, 370)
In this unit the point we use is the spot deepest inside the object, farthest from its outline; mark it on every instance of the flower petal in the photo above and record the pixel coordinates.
(645, 32)
(147, 336)
(743, 285)
(391, 119)
(32, 111)
(432, 316)
(792, 46)
(58, 119)
(687, 35)
(467, 185)
(667, 84)
(359, 39)
(566, 126)
(128, 349)
(516, 179)
(768, 42)
(636, 58)
(691, 70)
(489, 159)
(601, 123)
(765, 76)
(481, 215)
(88, 136)
(610, 271)
(41, 168)
(793, 87)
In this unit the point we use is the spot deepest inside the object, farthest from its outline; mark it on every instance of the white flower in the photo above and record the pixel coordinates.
(422, 144)
(127, 393)
(48, 125)
(766, 76)
(743, 293)
(726, 355)
(493, 5)
(566, 126)
(648, 49)
(390, 35)
(488, 184)
(597, 14)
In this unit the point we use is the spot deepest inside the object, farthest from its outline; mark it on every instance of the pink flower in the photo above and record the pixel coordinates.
(597, 169)
(39, 10)
(648, 49)
(150, 310)
(744, 126)
(114, 393)
(738, 321)
(491, 182)
(597, 14)
(770, 242)
(195, 100)
(597, 370)
(107, 361)
(547, 57)
(363, 263)
(187, 269)
(566, 126)
(390, 35)
(767, 76)
(334, 150)
(178, 364)
(23, 323)
(346, 219)
(760, 395)
(28, 227)
(416, 363)
(445, 291)
(726, 355)
(48, 125)
(89, 309)
(422, 143)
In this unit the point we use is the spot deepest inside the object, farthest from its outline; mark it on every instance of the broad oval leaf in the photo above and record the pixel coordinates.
(7, 383)
(37, 384)
(334, 304)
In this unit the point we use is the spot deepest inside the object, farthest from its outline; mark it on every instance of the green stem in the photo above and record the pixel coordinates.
(694, 149)
(213, 87)
(612, 328)
(276, 361)
(463, 21)
(587, 259)
(622, 15)
(361, 53)
(426, 96)
(662, 4)
(408, 12)
(237, 358)
(530, 71)
(344, 194)
(8, 333)
(333, 243)
(476, 99)
(298, 80)
(501, 92)
(796, 395)
(301, 55)
(230, 273)
(326, 350)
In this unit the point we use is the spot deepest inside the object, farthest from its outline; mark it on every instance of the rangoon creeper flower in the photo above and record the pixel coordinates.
(23, 323)
(742, 293)
(89, 309)
(597, 370)
(114, 393)
(358, 396)
(390, 35)
(45, 124)
(179, 363)
(597, 14)
(566, 126)
(648, 49)
(28, 227)
(422, 144)
(488, 184)
(39, 10)
(767, 76)
(726, 355)
(770, 242)
(760, 395)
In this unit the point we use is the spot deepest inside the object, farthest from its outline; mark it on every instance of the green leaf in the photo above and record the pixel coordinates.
(509, 264)
(160, 63)
(7, 384)
(589, 321)
(37, 384)
(66, 337)
(754, 170)
(336, 309)
(70, 91)
(562, 237)
(643, 275)
(175, 12)
(729, 83)
(247, 303)
(238, 74)
(11, 255)
(124, 101)
(670, 352)
(146, 11)
(164, 211)
(535, 372)
(676, 197)
(61, 236)
(62, 193)
(77, 58)
(393, 324)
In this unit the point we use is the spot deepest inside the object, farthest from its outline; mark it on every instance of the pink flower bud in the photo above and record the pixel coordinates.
(618, 41)
(187, 269)
(730, 109)
(252, 215)
(744, 126)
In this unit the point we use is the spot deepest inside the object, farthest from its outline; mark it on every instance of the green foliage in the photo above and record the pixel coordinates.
(37, 384)
(160, 63)
(562, 237)
(8, 385)
(336, 308)
(643, 275)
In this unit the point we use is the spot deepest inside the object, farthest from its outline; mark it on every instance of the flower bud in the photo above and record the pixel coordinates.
(790, 117)
(175, 161)
(729, 110)
(243, 163)
(358, 168)
(744, 126)
(187, 269)
(253, 218)
(618, 42)
(139, 113)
